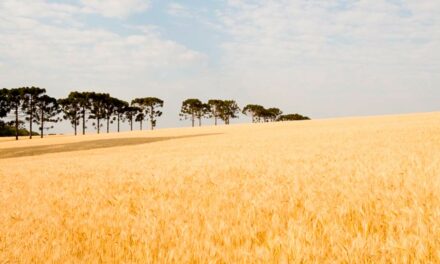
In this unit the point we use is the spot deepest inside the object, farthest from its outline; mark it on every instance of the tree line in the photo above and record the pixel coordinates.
(260, 114)
(32, 105)
(225, 110)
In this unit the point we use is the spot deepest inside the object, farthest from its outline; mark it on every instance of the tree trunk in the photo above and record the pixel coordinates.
(99, 124)
(200, 121)
(152, 118)
(118, 125)
(140, 123)
(131, 124)
(42, 122)
(192, 119)
(215, 119)
(84, 120)
(16, 122)
(108, 125)
(31, 117)
(75, 124)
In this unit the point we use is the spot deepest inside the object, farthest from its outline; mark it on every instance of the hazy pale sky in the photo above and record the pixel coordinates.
(324, 58)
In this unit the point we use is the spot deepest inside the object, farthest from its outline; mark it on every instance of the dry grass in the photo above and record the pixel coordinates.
(360, 190)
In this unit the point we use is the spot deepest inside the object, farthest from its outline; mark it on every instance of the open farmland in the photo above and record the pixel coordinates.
(352, 190)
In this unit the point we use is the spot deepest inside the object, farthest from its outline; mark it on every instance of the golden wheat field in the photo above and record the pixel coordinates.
(350, 190)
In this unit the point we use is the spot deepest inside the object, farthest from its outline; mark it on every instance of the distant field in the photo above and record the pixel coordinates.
(352, 190)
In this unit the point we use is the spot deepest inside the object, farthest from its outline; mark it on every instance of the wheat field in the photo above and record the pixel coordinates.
(349, 190)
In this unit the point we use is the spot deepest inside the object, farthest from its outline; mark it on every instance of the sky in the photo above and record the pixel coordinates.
(323, 59)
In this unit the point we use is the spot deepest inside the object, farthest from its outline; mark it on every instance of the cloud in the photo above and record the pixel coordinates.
(115, 8)
(351, 52)
(35, 49)
(49, 9)
(323, 30)
(179, 10)
(37, 9)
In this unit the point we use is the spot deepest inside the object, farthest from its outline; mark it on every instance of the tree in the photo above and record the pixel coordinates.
(6, 130)
(130, 114)
(273, 114)
(31, 97)
(4, 104)
(71, 108)
(149, 105)
(139, 104)
(151, 111)
(228, 110)
(190, 109)
(109, 109)
(84, 101)
(16, 99)
(214, 109)
(259, 113)
(203, 111)
(292, 117)
(47, 111)
(120, 111)
(98, 108)
(255, 111)
(140, 117)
